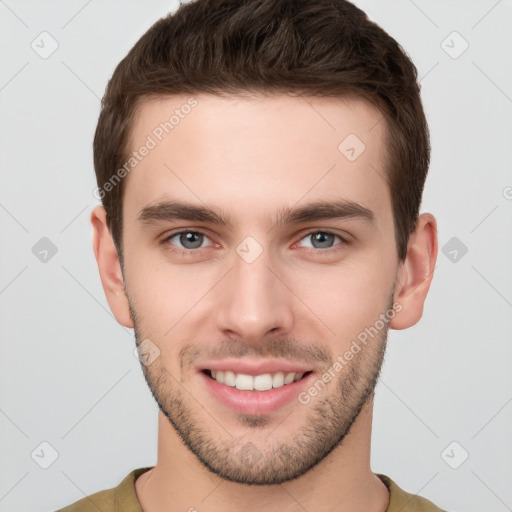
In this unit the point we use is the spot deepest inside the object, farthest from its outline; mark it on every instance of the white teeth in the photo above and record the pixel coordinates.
(278, 380)
(262, 382)
(229, 379)
(289, 378)
(244, 382)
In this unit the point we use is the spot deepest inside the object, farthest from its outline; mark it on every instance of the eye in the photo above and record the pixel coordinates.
(189, 240)
(321, 240)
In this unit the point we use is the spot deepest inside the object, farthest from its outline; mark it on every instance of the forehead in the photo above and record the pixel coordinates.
(257, 154)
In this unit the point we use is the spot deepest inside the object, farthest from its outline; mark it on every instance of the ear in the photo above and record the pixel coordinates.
(109, 267)
(415, 273)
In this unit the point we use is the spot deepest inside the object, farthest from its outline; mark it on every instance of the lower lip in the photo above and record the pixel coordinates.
(255, 402)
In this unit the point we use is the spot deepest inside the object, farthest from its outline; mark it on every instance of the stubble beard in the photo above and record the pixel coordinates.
(332, 414)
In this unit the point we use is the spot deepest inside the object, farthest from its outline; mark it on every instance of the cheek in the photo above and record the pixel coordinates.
(347, 298)
(165, 297)
(174, 302)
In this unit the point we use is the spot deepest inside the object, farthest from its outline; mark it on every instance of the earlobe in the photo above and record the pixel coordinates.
(416, 273)
(109, 267)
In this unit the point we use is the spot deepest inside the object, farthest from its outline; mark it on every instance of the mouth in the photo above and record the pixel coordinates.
(257, 388)
(261, 382)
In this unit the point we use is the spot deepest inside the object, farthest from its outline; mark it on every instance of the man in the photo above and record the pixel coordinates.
(261, 167)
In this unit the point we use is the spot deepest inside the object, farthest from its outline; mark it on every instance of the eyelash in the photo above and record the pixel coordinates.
(190, 252)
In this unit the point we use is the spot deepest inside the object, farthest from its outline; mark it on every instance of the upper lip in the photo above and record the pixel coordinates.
(255, 367)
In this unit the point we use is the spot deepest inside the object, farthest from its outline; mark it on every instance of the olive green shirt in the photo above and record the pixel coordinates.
(124, 499)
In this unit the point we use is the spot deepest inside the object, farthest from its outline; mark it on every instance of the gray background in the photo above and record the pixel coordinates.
(68, 374)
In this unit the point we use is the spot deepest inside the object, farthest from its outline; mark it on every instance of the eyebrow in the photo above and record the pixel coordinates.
(167, 211)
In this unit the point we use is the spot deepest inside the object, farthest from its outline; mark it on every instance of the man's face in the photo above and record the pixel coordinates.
(280, 288)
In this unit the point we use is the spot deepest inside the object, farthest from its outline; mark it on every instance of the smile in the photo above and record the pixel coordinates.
(262, 382)
(257, 387)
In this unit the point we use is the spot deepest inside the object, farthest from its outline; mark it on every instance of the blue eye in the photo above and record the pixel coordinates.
(322, 240)
(189, 240)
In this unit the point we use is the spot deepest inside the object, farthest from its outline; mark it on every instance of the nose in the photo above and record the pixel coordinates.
(253, 302)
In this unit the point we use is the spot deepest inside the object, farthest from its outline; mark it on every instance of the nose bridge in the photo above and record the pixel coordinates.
(253, 301)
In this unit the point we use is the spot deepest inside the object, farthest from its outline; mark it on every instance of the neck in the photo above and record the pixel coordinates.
(341, 482)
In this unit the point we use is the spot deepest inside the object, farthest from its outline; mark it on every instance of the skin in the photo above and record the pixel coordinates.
(249, 158)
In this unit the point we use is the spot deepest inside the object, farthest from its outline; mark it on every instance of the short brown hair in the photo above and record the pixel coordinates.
(323, 48)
